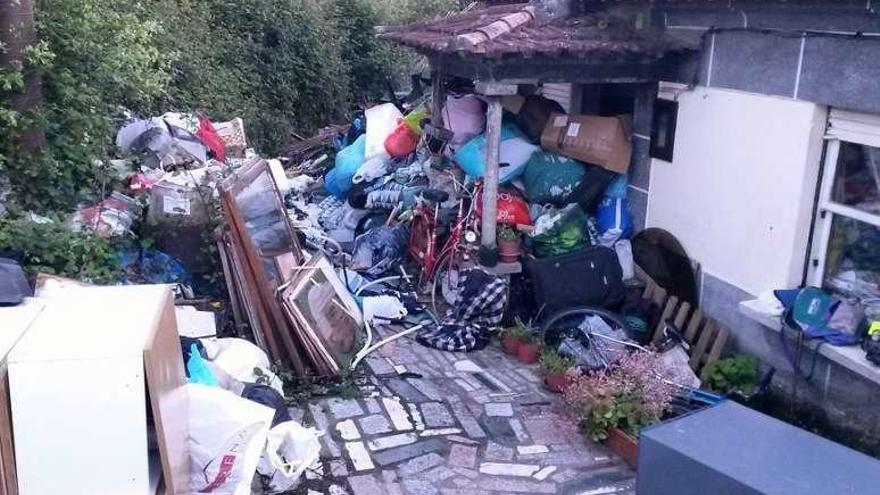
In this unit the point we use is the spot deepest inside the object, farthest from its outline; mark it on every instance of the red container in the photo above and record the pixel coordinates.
(556, 382)
(527, 353)
(508, 250)
(510, 345)
(402, 141)
(622, 444)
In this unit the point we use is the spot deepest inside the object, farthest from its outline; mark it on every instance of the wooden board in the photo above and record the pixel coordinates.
(16, 320)
(166, 382)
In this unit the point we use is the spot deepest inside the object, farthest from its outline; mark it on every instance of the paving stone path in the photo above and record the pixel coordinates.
(479, 423)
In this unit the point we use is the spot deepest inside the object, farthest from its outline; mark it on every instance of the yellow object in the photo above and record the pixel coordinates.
(874, 328)
(415, 117)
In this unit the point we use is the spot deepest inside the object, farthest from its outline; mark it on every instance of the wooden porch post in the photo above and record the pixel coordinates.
(493, 91)
(438, 98)
(490, 178)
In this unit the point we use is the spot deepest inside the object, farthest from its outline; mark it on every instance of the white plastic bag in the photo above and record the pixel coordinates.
(241, 360)
(624, 251)
(227, 436)
(290, 449)
(381, 121)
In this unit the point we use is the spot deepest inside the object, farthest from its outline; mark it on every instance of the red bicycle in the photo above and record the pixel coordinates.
(440, 266)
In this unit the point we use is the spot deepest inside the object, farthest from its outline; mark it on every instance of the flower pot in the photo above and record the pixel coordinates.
(556, 382)
(508, 250)
(527, 353)
(510, 345)
(624, 445)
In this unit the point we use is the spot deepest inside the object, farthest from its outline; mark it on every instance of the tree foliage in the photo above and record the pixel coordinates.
(284, 66)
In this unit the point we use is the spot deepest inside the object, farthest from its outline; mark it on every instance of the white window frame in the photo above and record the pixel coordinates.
(854, 128)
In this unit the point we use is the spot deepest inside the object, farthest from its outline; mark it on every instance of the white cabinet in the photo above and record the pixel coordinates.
(83, 381)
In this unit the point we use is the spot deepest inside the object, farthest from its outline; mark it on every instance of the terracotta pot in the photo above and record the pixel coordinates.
(556, 382)
(510, 345)
(622, 444)
(527, 353)
(508, 250)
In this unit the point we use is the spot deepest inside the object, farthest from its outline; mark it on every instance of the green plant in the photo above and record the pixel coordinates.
(737, 374)
(552, 362)
(52, 248)
(520, 331)
(506, 233)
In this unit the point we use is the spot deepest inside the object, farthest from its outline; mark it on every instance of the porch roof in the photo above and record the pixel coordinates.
(514, 31)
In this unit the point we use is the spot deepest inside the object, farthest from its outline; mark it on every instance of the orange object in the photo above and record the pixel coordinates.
(402, 141)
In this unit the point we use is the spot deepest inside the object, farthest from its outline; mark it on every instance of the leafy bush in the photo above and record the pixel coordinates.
(52, 248)
(733, 375)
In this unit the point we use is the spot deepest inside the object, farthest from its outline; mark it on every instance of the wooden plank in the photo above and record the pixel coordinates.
(706, 337)
(691, 333)
(8, 480)
(660, 296)
(668, 311)
(251, 288)
(715, 352)
(166, 386)
(681, 316)
(231, 286)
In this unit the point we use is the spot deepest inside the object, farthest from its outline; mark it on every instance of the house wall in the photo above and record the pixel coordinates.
(739, 191)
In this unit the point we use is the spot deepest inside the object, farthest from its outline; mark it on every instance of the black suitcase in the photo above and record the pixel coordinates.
(589, 277)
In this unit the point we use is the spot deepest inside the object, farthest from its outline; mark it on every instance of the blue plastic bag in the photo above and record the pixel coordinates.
(338, 181)
(198, 370)
(614, 220)
(515, 151)
(617, 187)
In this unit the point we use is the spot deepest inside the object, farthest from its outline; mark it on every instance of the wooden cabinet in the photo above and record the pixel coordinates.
(14, 321)
(84, 379)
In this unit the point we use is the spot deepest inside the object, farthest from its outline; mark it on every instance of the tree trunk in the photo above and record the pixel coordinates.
(16, 33)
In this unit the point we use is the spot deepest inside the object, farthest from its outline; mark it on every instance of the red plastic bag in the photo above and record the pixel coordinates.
(513, 209)
(211, 139)
(402, 141)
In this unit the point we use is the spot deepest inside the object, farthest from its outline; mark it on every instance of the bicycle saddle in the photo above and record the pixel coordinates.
(435, 195)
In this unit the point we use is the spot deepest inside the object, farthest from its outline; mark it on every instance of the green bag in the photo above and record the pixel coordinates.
(551, 178)
(568, 234)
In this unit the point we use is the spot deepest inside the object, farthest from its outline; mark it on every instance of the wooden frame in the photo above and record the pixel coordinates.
(319, 341)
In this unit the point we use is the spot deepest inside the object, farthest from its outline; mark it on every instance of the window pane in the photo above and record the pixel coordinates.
(852, 264)
(858, 177)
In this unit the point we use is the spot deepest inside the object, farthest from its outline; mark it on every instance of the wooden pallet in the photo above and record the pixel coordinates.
(704, 334)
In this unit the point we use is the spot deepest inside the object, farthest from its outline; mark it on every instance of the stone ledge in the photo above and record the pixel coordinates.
(850, 357)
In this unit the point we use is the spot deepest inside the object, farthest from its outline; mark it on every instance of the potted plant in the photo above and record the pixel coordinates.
(513, 337)
(614, 405)
(555, 369)
(508, 244)
(528, 351)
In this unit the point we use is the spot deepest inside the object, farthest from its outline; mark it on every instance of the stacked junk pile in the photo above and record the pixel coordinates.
(369, 229)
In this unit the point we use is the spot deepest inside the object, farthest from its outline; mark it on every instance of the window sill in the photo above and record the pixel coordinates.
(850, 357)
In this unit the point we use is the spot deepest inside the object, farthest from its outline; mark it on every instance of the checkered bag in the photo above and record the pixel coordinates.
(479, 308)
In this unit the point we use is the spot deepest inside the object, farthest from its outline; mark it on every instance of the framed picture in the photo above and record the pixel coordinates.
(328, 315)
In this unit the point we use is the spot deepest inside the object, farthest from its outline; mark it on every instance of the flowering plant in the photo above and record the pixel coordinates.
(632, 394)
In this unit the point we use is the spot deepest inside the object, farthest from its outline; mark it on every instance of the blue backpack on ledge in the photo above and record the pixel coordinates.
(820, 315)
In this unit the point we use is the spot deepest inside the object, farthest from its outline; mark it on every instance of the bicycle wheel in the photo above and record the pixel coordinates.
(445, 284)
(593, 343)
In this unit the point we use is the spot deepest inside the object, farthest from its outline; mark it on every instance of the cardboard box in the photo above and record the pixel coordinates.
(603, 141)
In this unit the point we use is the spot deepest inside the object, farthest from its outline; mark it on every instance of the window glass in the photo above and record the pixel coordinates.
(852, 262)
(857, 183)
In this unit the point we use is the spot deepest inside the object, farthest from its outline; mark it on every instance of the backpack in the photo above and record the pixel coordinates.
(820, 315)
